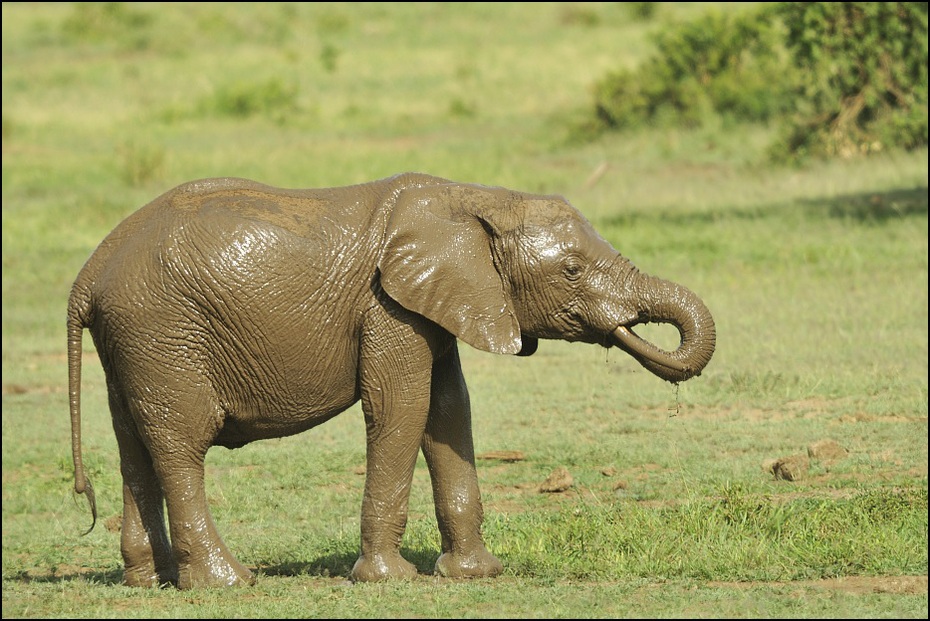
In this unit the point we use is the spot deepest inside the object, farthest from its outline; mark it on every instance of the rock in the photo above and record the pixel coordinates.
(558, 480)
(791, 468)
(826, 450)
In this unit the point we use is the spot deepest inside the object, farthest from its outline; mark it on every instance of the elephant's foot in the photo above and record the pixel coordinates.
(145, 565)
(378, 567)
(214, 572)
(147, 576)
(477, 563)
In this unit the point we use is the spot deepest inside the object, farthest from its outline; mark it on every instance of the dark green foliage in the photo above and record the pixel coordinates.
(723, 62)
(642, 10)
(888, 505)
(864, 84)
(273, 98)
(841, 78)
(329, 57)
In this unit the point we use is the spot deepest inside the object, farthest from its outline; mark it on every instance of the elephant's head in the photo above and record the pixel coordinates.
(501, 269)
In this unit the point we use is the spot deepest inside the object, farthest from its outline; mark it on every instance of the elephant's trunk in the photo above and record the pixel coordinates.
(667, 302)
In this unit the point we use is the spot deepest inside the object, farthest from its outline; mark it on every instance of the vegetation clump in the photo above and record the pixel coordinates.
(720, 63)
(836, 78)
(865, 84)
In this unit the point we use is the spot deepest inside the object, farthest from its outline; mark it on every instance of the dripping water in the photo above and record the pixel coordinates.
(676, 409)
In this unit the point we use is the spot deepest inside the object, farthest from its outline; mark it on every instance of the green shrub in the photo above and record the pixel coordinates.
(864, 87)
(723, 63)
(839, 78)
(642, 10)
(272, 98)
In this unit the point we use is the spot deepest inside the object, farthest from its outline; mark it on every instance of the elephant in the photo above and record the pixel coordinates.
(227, 311)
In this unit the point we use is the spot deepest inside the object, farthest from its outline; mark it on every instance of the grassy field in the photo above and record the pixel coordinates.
(816, 275)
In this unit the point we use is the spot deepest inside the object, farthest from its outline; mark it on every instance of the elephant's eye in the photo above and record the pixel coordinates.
(573, 268)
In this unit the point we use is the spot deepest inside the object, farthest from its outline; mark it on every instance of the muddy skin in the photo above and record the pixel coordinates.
(226, 311)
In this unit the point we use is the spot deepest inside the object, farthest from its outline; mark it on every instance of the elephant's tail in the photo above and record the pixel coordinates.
(79, 311)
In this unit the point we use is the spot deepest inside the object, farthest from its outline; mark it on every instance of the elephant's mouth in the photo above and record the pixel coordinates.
(644, 351)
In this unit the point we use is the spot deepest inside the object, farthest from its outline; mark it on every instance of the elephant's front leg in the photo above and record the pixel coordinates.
(395, 398)
(450, 455)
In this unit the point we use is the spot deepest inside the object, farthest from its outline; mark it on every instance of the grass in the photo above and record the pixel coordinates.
(816, 275)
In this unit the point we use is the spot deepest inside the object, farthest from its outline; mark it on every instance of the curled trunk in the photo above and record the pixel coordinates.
(667, 302)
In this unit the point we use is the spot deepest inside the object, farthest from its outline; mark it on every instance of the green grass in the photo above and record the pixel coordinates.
(816, 275)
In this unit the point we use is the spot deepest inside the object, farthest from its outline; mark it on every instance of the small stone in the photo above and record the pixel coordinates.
(791, 468)
(558, 480)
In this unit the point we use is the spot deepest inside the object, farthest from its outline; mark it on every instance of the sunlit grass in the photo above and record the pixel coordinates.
(816, 275)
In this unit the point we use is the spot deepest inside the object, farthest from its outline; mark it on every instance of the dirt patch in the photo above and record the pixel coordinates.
(862, 417)
(19, 389)
(505, 456)
(856, 585)
(813, 408)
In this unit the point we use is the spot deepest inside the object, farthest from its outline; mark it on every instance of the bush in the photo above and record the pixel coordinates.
(721, 63)
(864, 87)
(841, 78)
(272, 98)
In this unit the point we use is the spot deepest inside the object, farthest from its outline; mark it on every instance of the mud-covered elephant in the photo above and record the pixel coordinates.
(227, 311)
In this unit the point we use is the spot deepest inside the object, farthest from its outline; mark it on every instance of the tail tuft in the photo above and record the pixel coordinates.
(86, 487)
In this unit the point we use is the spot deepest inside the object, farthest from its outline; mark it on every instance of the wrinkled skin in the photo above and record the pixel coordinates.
(227, 311)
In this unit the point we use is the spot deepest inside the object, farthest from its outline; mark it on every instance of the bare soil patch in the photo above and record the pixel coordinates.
(856, 585)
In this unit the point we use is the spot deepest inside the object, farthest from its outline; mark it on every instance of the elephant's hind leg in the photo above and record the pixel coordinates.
(179, 451)
(203, 558)
(143, 539)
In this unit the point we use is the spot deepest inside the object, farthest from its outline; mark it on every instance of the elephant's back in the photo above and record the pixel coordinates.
(215, 202)
(213, 221)
(234, 253)
(237, 233)
(355, 211)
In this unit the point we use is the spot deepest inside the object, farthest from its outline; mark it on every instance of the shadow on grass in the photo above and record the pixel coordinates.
(329, 565)
(865, 208)
(340, 565)
(871, 206)
(113, 577)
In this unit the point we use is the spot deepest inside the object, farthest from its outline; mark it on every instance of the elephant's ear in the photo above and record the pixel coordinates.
(437, 262)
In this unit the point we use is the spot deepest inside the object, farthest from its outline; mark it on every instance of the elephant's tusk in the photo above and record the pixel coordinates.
(636, 346)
